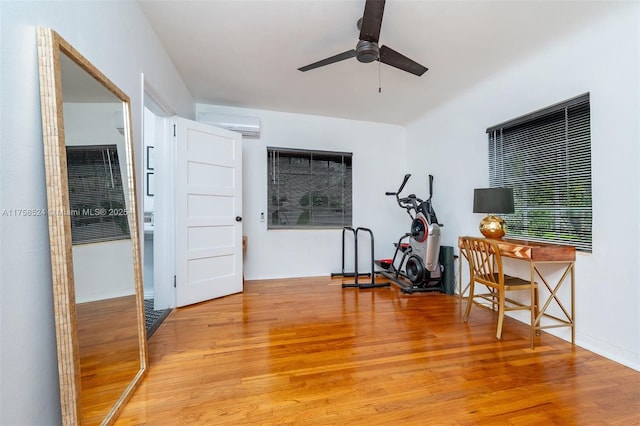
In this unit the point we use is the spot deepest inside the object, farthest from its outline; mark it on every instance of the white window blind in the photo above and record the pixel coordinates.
(308, 189)
(545, 157)
(96, 195)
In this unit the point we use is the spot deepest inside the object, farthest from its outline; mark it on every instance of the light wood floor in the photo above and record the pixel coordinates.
(109, 353)
(306, 351)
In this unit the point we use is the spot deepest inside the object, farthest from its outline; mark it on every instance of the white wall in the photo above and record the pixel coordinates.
(115, 37)
(379, 157)
(602, 60)
(149, 123)
(103, 270)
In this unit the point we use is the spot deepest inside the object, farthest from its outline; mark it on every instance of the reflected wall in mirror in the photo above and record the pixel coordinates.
(95, 254)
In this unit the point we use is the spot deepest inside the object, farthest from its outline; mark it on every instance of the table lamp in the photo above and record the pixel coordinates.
(493, 201)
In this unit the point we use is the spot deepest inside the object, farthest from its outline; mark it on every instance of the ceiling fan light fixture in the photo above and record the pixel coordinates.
(367, 51)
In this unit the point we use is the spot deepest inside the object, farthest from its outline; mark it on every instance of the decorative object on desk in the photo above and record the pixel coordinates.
(493, 201)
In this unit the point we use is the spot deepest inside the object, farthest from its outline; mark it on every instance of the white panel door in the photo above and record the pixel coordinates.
(208, 212)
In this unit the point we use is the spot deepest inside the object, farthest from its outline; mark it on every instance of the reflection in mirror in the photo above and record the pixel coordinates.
(94, 244)
(102, 252)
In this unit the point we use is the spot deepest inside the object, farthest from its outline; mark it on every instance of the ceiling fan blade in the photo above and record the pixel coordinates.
(337, 58)
(372, 20)
(391, 57)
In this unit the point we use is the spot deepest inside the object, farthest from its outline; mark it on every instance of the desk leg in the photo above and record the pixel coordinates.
(460, 277)
(460, 282)
(573, 304)
(570, 317)
(534, 295)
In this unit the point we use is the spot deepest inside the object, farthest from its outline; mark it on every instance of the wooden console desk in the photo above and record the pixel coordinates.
(537, 254)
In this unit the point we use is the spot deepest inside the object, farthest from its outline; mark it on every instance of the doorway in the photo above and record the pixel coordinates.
(192, 204)
(158, 264)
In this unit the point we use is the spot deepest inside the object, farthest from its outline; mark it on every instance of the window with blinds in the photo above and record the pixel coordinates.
(96, 195)
(545, 157)
(308, 189)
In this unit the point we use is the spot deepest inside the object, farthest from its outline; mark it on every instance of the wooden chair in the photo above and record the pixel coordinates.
(485, 267)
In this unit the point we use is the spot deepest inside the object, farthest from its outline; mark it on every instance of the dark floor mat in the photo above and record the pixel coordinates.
(153, 318)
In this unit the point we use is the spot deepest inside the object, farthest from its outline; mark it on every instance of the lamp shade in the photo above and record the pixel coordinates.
(493, 200)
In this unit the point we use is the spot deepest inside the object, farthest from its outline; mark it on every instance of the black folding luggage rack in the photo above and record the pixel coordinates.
(356, 274)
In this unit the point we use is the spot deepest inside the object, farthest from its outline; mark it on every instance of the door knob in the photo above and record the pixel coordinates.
(238, 219)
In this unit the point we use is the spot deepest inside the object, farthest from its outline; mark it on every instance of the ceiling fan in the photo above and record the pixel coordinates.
(367, 49)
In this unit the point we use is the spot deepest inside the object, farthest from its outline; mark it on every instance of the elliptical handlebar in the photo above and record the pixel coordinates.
(430, 186)
(428, 211)
(404, 182)
(408, 203)
(416, 204)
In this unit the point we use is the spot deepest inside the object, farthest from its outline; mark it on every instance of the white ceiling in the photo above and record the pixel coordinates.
(246, 53)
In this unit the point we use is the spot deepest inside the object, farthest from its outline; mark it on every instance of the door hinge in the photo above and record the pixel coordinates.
(174, 130)
(174, 281)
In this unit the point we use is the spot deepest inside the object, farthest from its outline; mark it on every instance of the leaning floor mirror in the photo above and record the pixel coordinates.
(95, 249)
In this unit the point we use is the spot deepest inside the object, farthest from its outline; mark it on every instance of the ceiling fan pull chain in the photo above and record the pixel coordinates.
(379, 79)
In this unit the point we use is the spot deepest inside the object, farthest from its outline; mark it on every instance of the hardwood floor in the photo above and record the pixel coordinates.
(109, 353)
(306, 351)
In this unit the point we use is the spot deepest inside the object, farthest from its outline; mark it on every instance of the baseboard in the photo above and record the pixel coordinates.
(614, 353)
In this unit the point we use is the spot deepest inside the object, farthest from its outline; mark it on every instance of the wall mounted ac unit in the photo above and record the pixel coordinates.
(248, 126)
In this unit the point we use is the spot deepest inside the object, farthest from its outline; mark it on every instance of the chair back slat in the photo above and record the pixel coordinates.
(485, 262)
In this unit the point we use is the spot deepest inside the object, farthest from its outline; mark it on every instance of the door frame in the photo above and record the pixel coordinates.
(164, 206)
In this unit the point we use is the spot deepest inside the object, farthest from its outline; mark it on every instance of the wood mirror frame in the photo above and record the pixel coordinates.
(50, 47)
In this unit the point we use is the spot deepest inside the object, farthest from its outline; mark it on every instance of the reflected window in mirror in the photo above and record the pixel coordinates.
(96, 195)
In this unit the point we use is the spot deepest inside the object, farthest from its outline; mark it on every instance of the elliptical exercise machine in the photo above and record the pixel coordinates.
(418, 268)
